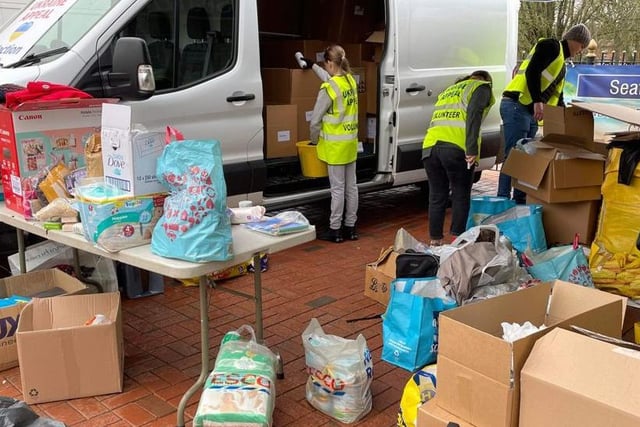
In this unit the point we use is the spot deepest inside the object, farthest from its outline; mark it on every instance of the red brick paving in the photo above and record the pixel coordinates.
(162, 335)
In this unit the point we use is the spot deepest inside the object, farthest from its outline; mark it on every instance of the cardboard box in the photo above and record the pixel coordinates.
(278, 53)
(281, 131)
(574, 125)
(376, 39)
(430, 414)
(379, 274)
(556, 172)
(43, 282)
(573, 380)
(371, 77)
(60, 357)
(37, 134)
(305, 110)
(562, 221)
(129, 159)
(479, 372)
(282, 85)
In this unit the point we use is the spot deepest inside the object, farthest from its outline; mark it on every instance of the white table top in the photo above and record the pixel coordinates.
(246, 243)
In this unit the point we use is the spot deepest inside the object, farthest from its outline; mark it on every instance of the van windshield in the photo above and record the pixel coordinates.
(45, 25)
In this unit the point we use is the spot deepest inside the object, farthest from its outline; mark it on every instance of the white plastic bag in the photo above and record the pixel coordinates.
(340, 374)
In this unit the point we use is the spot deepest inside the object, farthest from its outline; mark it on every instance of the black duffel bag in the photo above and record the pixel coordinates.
(416, 264)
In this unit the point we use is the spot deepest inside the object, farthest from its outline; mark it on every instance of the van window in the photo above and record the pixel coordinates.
(203, 46)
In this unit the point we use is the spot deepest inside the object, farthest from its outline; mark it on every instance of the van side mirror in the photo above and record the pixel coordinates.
(131, 77)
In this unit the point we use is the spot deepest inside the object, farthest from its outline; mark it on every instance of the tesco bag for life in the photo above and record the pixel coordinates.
(195, 225)
(340, 373)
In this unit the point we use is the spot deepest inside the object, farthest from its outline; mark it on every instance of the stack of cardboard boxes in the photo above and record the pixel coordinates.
(290, 92)
(564, 175)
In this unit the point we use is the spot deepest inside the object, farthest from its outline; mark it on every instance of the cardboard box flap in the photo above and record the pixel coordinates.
(72, 311)
(376, 37)
(615, 111)
(567, 360)
(38, 281)
(385, 262)
(574, 122)
(572, 173)
(569, 300)
(525, 168)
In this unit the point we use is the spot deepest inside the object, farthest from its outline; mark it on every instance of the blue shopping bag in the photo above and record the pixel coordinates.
(522, 225)
(484, 206)
(195, 225)
(410, 323)
(567, 263)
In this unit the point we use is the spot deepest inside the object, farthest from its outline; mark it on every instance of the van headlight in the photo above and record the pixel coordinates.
(146, 81)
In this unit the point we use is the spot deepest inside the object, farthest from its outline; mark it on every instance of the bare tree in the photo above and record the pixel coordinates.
(613, 23)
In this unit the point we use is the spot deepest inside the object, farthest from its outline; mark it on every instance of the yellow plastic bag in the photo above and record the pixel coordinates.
(614, 259)
(420, 388)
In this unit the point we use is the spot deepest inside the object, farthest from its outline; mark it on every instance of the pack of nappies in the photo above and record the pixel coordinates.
(240, 391)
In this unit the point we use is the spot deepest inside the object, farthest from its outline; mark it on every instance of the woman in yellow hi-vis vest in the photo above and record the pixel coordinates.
(451, 149)
(334, 127)
(539, 80)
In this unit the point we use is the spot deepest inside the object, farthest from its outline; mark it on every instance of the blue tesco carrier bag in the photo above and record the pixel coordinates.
(484, 206)
(410, 323)
(194, 226)
(522, 225)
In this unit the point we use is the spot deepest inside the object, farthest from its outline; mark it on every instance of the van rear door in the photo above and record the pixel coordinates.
(436, 42)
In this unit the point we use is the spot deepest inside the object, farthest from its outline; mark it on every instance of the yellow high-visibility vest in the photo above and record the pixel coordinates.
(338, 139)
(551, 80)
(449, 118)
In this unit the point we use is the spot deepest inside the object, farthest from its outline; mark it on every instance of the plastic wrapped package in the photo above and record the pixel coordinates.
(114, 221)
(340, 374)
(240, 390)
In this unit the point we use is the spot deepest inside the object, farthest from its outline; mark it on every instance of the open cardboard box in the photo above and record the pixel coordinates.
(575, 125)
(572, 379)
(556, 172)
(38, 283)
(479, 372)
(61, 357)
(379, 275)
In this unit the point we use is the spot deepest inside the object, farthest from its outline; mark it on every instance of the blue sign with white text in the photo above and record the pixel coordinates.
(609, 85)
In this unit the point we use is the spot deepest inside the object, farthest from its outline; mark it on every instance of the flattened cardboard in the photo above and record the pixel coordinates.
(379, 274)
(430, 414)
(61, 358)
(28, 285)
(478, 370)
(571, 379)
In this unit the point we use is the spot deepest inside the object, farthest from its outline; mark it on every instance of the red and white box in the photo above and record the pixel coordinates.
(37, 134)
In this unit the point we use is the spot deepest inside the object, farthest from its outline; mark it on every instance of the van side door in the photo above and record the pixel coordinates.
(435, 43)
(207, 68)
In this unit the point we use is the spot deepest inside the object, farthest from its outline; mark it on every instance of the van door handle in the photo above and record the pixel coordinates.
(245, 97)
(416, 88)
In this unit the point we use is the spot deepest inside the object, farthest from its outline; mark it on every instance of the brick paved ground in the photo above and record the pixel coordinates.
(318, 279)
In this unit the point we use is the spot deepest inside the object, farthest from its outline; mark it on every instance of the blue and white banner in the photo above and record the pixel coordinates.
(615, 84)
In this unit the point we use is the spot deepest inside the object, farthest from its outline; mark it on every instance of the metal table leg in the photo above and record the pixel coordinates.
(257, 297)
(204, 344)
(21, 250)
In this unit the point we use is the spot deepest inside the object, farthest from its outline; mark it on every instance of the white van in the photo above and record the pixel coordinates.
(207, 65)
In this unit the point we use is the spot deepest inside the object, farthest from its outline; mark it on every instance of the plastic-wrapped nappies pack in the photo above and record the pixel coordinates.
(240, 391)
